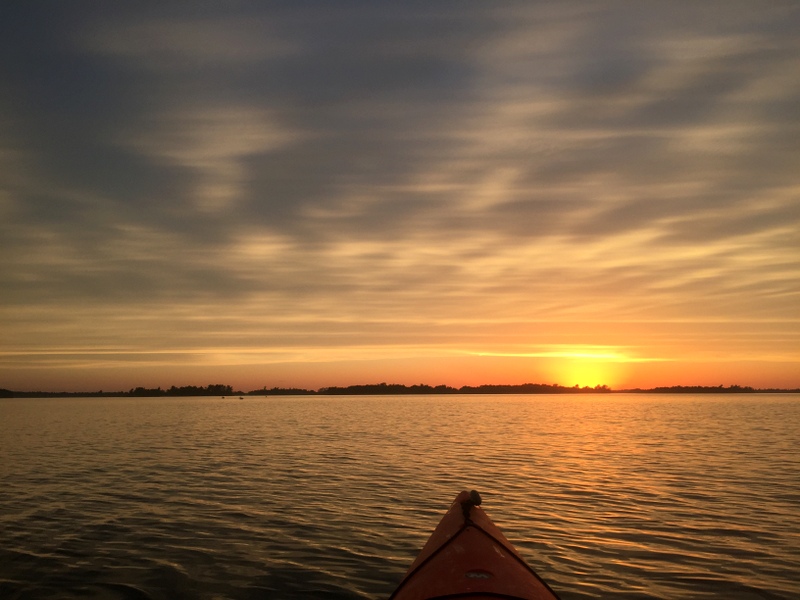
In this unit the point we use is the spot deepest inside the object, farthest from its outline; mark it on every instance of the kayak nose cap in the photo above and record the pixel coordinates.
(468, 500)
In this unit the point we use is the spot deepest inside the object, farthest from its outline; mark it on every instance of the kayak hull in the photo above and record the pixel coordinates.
(467, 556)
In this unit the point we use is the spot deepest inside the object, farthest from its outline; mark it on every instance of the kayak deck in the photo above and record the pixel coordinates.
(467, 556)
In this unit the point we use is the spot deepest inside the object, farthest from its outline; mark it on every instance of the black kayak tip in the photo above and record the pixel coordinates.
(475, 498)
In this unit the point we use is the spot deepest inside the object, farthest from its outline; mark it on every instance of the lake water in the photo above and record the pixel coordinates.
(623, 496)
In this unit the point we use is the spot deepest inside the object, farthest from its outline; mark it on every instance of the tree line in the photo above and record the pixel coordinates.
(395, 389)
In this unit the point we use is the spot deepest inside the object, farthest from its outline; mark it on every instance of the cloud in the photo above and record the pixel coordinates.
(270, 166)
(213, 143)
(178, 43)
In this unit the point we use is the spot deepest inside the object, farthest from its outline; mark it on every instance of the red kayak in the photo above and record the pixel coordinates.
(467, 556)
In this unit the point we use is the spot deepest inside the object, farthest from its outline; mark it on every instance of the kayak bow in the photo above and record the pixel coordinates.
(467, 556)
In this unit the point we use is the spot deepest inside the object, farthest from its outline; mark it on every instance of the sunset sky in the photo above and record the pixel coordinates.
(330, 193)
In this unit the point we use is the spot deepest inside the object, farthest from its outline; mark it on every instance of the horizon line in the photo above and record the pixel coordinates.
(384, 388)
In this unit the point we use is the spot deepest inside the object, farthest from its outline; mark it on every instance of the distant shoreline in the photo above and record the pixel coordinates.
(384, 389)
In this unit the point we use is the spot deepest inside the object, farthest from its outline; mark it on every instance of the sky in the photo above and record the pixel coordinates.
(306, 194)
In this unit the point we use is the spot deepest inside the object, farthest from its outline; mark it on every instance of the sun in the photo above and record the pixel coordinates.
(569, 366)
(587, 373)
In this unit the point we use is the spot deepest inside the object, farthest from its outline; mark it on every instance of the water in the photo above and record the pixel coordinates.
(606, 496)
